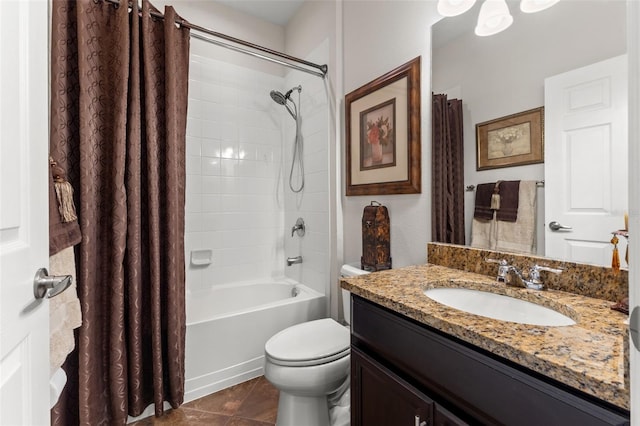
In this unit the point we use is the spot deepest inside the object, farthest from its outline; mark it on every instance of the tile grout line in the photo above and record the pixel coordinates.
(247, 397)
(255, 380)
(255, 383)
(228, 419)
(235, 416)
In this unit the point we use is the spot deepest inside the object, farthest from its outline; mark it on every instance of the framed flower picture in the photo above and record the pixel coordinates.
(514, 140)
(377, 138)
(383, 134)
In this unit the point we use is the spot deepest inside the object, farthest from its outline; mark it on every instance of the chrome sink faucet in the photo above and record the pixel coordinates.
(532, 281)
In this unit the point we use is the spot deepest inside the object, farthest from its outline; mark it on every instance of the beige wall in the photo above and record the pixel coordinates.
(378, 37)
(313, 23)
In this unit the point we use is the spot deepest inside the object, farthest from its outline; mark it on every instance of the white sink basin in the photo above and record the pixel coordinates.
(498, 306)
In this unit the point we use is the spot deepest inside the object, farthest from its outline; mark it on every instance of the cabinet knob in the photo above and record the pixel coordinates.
(418, 422)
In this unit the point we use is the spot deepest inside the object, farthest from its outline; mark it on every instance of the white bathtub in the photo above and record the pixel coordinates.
(228, 326)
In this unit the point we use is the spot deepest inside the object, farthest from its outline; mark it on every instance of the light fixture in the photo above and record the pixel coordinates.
(494, 17)
(532, 6)
(494, 14)
(454, 7)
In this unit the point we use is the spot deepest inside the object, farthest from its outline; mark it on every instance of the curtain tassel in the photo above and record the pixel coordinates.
(64, 193)
(495, 197)
(615, 260)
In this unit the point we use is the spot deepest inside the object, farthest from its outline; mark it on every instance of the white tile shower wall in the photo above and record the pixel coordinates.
(313, 203)
(233, 160)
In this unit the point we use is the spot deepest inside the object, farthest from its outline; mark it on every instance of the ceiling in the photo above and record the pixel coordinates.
(279, 12)
(275, 11)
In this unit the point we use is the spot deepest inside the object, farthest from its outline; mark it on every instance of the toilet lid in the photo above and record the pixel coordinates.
(312, 342)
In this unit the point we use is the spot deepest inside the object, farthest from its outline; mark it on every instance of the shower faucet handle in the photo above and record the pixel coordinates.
(298, 227)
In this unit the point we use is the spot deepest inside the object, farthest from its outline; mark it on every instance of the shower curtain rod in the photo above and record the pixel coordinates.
(284, 58)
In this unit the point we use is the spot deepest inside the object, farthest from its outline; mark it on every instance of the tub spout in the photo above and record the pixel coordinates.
(294, 260)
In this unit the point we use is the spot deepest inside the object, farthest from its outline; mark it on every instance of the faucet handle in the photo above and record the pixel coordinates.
(298, 227)
(503, 269)
(547, 268)
(534, 273)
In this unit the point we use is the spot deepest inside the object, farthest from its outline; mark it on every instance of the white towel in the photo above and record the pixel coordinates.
(520, 236)
(483, 233)
(56, 385)
(64, 310)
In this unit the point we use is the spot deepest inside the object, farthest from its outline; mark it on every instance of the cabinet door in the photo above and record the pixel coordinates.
(380, 398)
(443, 417)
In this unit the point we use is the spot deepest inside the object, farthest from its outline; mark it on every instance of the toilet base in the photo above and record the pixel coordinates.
(302, 410)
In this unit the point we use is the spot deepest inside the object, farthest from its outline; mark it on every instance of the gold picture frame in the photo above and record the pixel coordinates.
(383, 134)
(514, 140)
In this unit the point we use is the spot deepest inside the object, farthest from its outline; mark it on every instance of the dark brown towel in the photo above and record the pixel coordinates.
(509, 198)
(483, 209)
(61, 234)
(622, 306)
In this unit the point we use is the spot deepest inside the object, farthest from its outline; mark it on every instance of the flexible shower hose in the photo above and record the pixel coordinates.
(297, 155)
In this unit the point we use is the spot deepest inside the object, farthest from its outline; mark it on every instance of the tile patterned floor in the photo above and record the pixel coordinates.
(252, 403)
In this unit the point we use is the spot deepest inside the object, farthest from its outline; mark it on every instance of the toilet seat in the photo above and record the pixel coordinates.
(310, 343)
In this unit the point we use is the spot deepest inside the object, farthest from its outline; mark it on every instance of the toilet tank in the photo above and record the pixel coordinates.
(349, 270)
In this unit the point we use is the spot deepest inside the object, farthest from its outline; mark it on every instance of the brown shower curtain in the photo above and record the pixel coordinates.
(447, 206)
(118, 120)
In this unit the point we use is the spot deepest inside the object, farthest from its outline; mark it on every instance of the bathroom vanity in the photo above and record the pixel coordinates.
(418, 362)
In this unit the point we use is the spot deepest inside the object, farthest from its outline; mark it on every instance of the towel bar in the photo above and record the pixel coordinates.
(471, 188)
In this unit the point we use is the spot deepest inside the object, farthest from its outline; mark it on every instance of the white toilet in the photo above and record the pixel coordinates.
(308, 362)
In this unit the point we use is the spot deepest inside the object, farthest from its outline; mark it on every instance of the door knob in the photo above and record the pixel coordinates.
(42, 283)
(555, 226)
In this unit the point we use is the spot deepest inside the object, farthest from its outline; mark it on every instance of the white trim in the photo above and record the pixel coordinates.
(338, 165)
(633, 49)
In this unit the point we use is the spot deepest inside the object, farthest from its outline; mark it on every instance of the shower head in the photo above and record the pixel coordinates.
(279, 98)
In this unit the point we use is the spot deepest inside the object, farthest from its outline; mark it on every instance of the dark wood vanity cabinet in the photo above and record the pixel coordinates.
(442, 417)
(380, 397)
(405, 373)
(383, 398)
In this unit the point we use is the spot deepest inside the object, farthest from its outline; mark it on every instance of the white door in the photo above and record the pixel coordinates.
(24, 323)
(586, 177)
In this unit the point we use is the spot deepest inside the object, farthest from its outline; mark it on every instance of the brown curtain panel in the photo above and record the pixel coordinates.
(447, 162)
(118, 121)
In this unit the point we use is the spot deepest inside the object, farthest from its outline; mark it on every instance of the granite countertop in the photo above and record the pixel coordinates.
(590, 356)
